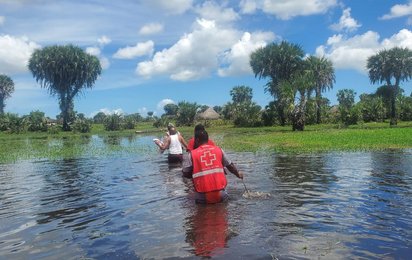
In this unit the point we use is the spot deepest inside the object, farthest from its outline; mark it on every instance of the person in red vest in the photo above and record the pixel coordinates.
(191, 145)
(205, 165)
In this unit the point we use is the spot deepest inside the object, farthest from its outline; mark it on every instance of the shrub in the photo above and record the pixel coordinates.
(113, 122)
(81, 126)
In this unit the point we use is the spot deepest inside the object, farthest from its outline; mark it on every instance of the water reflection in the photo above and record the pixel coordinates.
(207, 229)
(136, 206)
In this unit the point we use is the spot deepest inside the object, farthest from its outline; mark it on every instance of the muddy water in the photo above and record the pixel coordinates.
(136, 206)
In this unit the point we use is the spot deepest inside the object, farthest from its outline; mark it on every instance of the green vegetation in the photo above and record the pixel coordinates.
(316, 138)
(6, 88)
(64, 71)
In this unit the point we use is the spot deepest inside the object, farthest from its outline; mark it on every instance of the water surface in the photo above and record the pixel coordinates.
(116, 205)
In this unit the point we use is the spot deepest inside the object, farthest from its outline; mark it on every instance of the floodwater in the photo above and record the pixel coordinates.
(352, 205)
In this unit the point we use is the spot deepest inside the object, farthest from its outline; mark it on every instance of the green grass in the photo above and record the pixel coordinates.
(320, 138)
(315, 138)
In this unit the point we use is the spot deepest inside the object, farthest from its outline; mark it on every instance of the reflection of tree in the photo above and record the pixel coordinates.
(308, 171)
(112, 140)
(301, 179)
(389, 169)
(66, 191)
(207, 229)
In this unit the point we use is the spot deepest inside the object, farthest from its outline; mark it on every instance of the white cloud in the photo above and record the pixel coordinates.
(346, 22)
(203, 51)
(173, 6)
(97, 51)
(104, 62)
(194, 56)
(151, 28)
(142, 111)
(352, 53)
(399, 11)
(104, 40)
(15, 53)
(130, 52)
(287, 9)
(2, 19)
(238, 56)
(93, 51)
(212, 11)
(108, 111)
(163, 103)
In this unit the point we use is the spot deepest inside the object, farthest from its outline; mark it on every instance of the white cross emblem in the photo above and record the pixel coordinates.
(207, 158)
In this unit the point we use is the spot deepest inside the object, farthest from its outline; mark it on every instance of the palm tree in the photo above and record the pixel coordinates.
(278, 62)
(300, 83)
(324, 76)
(65, 71)
(388, 65)
(241, 94)
(6, 88)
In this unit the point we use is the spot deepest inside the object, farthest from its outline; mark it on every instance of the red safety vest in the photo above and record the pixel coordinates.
(208, 174)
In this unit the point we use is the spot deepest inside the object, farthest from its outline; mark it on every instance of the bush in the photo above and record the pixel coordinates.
(81, 126)
(36, 121)
(129, 123)
(113, 122)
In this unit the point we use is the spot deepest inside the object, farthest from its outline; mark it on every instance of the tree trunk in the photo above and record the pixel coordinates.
(318, 100)
(394, 120)
(281, 113)
(298, 117)
(65, 107)
(1, 105)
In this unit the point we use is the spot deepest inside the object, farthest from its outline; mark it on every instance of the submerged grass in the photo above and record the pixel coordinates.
(317, 138)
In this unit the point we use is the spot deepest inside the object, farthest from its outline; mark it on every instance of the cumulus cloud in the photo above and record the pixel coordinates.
(346, 22)
(352, 53)
(237, 57)
(212, 11)
(173, 6)
(97, 51)
(201, 52)
(93, 51)
(2, 19)
(163, 103)
(107, 111)
(130, 52)
(104, 40)
(399, 10)
(287, 9)
(194, 56)
(15, 53)
(151, 28)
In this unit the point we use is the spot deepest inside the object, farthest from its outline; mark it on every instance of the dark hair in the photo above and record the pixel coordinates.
(201, 137)
(199, 127)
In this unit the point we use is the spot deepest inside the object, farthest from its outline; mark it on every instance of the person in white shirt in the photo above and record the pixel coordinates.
(174, 142)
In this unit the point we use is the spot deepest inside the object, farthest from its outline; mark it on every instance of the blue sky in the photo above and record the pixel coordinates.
(161, 51)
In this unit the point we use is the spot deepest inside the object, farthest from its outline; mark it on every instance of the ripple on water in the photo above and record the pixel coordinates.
(333, 206)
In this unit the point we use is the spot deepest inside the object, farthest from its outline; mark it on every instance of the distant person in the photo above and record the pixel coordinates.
(191, 144)
(205, 165)
(174, 142)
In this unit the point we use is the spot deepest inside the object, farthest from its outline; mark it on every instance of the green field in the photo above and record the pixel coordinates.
(319, 138)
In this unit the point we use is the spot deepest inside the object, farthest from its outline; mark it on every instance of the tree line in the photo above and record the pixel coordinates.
(295, 82)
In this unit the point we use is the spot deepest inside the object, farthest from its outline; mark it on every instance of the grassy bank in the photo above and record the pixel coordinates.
(319, 138)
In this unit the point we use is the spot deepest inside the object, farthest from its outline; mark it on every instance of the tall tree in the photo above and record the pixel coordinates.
(391, 67)
(324, 77)
(241, 94)
(6, 88)
(301, 83)
(278, 62)
(186, 113)
(65, 71)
